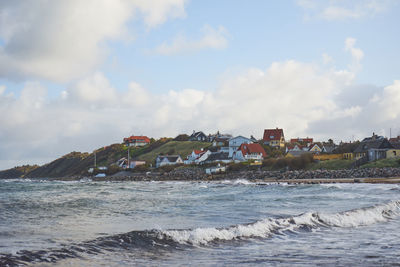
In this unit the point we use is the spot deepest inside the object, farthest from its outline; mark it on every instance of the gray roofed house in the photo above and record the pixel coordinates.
(373, 148)
(218, 157)
(198, 136)
(168, 160)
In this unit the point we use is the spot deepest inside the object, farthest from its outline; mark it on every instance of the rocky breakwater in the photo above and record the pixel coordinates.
(190, 174)
(315, 174)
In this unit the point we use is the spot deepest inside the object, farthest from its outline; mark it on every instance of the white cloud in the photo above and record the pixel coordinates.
(342, 10)
(211, 38)
(306, 99)
(63, 40)
(356, 53)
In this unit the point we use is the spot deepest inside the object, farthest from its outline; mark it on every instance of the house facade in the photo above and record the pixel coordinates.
(315, 148)
(274, 138)
(198, 136)
(236, 142)
(373, 148)
(248, 152)
(136, 141)
(168, 160)
(197, 156)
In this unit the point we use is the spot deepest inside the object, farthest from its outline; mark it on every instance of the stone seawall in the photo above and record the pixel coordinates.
(190, 174)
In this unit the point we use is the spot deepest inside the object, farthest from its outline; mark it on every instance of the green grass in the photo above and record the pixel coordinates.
(334, 164)
(395, 162)
(182, 148)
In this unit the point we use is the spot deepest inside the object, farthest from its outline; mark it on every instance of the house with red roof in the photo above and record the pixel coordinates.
(274, 138)
(137, 140)
(302, 141)
(250, 152)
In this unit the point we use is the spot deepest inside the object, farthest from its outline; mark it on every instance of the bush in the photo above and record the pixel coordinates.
(113, 169)
(142, 168)
(292, 163)
(168, 168)
(237, 166)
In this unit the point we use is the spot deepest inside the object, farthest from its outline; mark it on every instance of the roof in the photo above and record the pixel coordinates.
(170, 158)
(373, 143)
(252, 149)
(218, 156)
(137, 139)
(273, 134)
(329, 148)
(197, 134)
(394, 139)
(239, 136)
(396, 145)
(292, 146)
(301, 140)
(311, 146)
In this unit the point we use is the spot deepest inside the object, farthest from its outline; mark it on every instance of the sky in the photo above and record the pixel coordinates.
(78, 75)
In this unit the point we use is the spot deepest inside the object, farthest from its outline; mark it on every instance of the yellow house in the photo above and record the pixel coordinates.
(274, 138)
(348, 155)
(315, 148)
(327, 156)
(393, 153)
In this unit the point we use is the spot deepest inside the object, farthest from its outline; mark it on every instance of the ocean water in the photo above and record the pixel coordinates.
(228, 223)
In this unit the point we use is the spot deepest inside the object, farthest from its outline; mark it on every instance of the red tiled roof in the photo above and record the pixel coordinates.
(293, 146)
(301, 140)
(137, 139)
(273, 134)
(394, 139)
(252, 149)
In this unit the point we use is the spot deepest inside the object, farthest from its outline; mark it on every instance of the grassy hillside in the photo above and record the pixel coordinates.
(182, 148)
(335, 164)
(17, 172)
(77, 163)
(395, 162)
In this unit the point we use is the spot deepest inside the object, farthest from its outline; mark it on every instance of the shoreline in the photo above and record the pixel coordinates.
(372, 175)
(220, 178)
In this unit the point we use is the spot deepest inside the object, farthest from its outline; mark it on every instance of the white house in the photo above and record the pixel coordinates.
(235, 142)
(250, 152)
(168, 160)
(197, 156)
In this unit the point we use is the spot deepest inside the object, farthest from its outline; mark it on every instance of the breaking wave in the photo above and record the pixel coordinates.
(174, 239)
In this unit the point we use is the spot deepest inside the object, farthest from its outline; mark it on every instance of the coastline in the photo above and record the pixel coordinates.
(373, 176)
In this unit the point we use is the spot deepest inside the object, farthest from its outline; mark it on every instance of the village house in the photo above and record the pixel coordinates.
(219, 136)
(197, 156)
(295, 147)
(198, 136)
(372, 148)
(136, 141)
(296, 153)
(274, 138)
(123, 163)
(302, 141)
(235, 142)
(315, 148)
(220, 157)
(168, 160)
(248, 152)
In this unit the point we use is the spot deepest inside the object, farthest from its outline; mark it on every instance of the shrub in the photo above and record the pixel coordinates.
(113, 169)
(142, 168)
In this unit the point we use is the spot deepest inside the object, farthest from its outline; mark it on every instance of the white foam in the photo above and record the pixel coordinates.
(266, 227)
(362, 217)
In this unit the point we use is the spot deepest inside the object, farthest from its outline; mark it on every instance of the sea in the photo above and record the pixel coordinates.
(224, 223)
